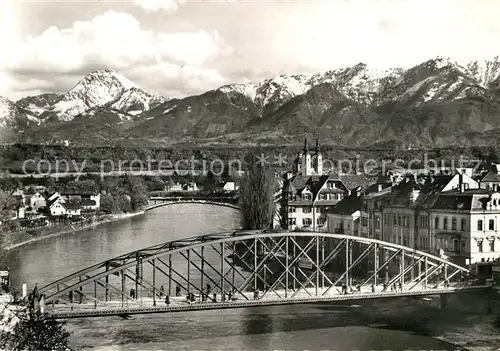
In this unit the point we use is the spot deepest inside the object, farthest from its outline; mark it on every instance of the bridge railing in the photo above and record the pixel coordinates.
(281, 265)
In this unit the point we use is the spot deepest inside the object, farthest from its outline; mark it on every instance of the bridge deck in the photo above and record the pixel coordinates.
(179, 304)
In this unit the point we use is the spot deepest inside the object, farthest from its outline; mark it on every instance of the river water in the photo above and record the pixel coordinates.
(399, 324)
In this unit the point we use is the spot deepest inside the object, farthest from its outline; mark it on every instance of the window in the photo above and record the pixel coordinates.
(306, 210)
(436, 222)
(455, 245)
(423, 222)
(480, 224)
(492, 245)
(386, 219)
(445, 223)
(399, 220)
(306, 221)
(453, 224)
(491, 224)
(320, 221)
(307, 196)
(290, 196)
(364, 221)
(480, 246)
(464, 224)
(292, 221)
(395, 220)
(323, 196)
(405, 221)
(318, 209)
(291, 209)
(463, 244)
(377, 222)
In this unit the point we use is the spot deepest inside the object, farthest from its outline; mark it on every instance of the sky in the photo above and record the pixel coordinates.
(180, 48)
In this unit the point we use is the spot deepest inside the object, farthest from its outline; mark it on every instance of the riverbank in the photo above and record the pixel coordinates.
(14, 240)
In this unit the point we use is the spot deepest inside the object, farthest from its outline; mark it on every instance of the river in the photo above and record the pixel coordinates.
(384, 325)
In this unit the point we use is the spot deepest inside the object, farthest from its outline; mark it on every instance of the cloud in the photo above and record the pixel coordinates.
(155, 5)
(115, 40)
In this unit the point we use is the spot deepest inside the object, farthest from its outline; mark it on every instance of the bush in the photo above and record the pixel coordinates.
(35, 331)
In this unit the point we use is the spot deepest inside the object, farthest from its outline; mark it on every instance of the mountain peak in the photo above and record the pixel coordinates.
(98, 88)
(109, 74)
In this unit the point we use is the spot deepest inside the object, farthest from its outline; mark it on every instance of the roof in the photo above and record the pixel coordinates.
(78, 193)
(352, 181)
(51, 202)
(491, 177)
(72, 205)
(347, 206)
(468, 200)
(88, 203)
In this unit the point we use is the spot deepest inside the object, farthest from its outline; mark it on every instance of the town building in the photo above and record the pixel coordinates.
(308, 193)
(38, 201)
(491, 179)
(230, 186)
(190, 187)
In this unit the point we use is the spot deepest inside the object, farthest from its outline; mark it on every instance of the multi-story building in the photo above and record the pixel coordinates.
(344, 218)
(308, 193)
(465, 226)
(491, 179)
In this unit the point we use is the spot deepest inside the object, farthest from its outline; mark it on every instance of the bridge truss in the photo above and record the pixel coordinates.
(250, 268)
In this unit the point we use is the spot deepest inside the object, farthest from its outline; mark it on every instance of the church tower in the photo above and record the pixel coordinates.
(306, 161)
(318, 160)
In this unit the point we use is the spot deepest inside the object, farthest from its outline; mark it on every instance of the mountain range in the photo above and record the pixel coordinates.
(438, 103)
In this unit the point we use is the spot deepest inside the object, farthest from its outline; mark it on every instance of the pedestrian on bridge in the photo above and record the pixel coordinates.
(215, 297)
(167, 300)
(177, 290)
(373, 288)
(209, 288)
(344, 289)
(162, 291)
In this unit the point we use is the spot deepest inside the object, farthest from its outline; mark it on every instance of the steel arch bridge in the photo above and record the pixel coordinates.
(159, 202)
(251, 268)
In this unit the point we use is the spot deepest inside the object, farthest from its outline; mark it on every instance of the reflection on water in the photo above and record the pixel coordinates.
(300, 327)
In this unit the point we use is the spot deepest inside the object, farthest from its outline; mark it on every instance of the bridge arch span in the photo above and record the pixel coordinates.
(160, 203)
(286, 266)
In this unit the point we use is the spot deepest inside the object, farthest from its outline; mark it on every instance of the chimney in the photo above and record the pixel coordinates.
(461, 184)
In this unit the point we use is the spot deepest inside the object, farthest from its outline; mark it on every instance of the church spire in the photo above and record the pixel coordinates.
(305, 144)
(317, 145)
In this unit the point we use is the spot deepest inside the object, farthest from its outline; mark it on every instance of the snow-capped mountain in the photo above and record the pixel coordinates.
(438, 101)
(38, 104)
(135, 101)
(358, 82)
(102, 88)
(11, 116)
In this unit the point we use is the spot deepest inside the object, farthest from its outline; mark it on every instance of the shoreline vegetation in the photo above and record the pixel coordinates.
(15, 240)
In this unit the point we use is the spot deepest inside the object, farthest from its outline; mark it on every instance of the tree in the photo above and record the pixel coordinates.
(108, 204)
(35, 331)
(138, 193)
(256, 196)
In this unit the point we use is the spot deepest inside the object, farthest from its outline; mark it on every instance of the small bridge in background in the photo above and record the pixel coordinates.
(159, 201)
(252, 268)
